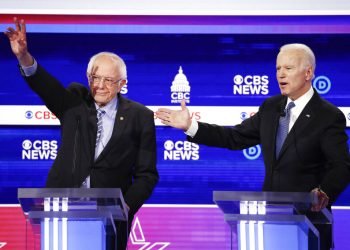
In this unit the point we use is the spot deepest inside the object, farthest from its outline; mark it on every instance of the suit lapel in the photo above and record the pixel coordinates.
(120, 122)
(304, 119)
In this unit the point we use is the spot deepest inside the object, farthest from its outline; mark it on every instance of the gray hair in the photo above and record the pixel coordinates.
(117, 59)
(309, 55)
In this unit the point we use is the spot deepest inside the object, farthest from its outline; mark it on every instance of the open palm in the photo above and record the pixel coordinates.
(175, 118)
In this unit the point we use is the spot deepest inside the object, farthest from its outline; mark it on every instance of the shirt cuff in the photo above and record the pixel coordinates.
(192, 130)
(30, 70)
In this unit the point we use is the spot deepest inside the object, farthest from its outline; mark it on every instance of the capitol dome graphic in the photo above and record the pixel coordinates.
(180, 83)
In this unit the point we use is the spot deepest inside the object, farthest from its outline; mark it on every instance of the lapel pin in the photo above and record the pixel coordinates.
(307, 115)
(121, 118)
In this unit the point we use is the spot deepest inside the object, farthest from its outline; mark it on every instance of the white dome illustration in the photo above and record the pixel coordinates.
(180, 83)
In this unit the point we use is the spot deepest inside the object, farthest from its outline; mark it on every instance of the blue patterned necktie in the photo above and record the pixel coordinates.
(100, 113)
(283, 128)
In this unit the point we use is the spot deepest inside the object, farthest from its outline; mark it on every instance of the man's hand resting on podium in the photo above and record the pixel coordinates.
(321, 199)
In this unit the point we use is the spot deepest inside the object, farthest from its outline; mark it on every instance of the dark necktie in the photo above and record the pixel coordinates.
(283, 128)
(100, 113)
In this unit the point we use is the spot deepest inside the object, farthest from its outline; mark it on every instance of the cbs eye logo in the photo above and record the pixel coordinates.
(238, 79)
(180, 150)
(250, 85)
(244, 115)
(169, 145)
(39, 149)
(27, 144)
(28, 114)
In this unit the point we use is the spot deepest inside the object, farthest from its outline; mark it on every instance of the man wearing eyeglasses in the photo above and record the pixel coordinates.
(107, 140)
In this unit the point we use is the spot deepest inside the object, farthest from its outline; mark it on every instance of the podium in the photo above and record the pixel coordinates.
(73, 218)
(272, 220)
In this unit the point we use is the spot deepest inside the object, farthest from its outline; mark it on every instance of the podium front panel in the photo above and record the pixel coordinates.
(73, 218)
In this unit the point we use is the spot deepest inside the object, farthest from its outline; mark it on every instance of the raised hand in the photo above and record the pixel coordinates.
(18, 42)
(175, 118)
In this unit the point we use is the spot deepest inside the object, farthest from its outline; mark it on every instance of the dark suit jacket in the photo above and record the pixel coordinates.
(315, 152)
(129, 159)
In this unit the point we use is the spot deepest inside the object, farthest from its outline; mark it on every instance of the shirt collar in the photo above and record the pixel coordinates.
(301, 102)
(110, 107)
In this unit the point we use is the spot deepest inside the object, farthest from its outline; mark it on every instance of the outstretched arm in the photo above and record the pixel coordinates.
(180, 119)
(18, 42)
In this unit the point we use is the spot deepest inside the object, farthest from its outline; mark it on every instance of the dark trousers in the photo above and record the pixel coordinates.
(121, 241)
(325, 231)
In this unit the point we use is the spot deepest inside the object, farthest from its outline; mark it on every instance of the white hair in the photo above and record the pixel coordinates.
(309, 55)
(120, 64)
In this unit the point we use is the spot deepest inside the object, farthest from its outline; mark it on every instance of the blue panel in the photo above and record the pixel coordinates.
(87, 235)
(189, 173)
(288, 237)
(210, 63)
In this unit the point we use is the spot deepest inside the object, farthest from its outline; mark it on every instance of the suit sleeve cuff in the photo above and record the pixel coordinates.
(192, 131)
(30, 70)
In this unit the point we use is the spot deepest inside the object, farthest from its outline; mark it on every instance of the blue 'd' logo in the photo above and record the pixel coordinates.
(29, 114)
(322, 84)
(252, 153)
